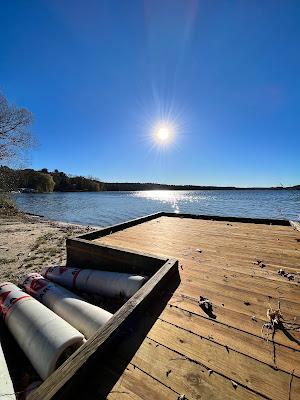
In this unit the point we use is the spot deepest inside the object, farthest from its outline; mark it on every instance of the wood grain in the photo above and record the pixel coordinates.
(104, 336)
(222, 260)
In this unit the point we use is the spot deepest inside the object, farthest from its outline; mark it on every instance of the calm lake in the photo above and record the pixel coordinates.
(107, 208)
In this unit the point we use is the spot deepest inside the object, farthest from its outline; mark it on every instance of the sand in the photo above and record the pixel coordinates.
(30, 243)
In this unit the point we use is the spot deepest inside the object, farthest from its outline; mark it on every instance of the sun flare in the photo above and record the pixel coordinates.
(163, 134)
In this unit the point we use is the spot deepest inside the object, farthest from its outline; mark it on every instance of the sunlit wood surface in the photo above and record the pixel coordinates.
(235, 265)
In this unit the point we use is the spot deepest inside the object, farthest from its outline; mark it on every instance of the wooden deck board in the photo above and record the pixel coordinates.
(230, 346)
(238, 340)
(128, 386)
(196, 382)
(249, 323)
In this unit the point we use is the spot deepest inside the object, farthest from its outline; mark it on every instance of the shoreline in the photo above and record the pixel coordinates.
(28, 243)
(181, 189)
(59, 222)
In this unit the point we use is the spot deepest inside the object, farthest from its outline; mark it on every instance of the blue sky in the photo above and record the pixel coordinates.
(98, 75)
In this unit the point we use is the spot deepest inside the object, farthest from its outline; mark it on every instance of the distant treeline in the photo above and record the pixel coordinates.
(160, 186)
(45, 181)
(157, 186)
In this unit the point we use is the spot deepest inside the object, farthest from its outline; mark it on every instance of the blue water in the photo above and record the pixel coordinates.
(107, 208)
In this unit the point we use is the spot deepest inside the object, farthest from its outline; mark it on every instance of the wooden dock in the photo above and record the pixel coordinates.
(219, 354)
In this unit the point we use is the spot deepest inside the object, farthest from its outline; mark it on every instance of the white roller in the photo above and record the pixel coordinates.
(104, 283)
(44, 337)
(84, 316)
(6, 386)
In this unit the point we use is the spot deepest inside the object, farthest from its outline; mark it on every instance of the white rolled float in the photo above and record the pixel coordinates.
(7, 391)
(85, 317)
(105, 283)
(45, 338)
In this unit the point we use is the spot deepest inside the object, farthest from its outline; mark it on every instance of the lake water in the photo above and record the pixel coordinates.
(107, 208)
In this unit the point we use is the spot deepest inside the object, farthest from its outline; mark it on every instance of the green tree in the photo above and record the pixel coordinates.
(46, 183)
(36, 180)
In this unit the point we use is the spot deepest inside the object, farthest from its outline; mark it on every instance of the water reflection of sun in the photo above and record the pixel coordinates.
(177, 199)
(164, 196)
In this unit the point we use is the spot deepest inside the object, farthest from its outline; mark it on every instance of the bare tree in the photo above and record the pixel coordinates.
(15, 135)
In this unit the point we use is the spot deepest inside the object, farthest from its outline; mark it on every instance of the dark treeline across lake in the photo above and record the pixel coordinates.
(107, 208)
(42, 181)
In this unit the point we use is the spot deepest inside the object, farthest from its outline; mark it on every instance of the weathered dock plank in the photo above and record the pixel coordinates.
(225, 357)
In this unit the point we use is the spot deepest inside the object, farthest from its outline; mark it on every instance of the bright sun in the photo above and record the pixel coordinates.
(163, 134)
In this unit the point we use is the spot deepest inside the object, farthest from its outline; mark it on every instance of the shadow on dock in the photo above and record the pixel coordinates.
(105, 368)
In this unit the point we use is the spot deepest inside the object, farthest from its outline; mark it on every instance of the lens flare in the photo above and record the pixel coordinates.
(163, 134)
(162, 126)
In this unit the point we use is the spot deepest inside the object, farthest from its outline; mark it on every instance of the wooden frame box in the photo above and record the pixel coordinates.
(81, 252)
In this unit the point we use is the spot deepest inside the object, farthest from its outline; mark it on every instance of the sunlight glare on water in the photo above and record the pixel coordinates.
(107, 208)
(164, 196)
(171, 197)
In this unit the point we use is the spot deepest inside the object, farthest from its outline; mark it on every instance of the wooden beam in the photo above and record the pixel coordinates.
(267, 221)
(104, 337)
(124, 225)
(85, 254)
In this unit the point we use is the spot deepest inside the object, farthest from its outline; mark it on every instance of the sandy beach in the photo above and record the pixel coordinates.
(30, 243)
